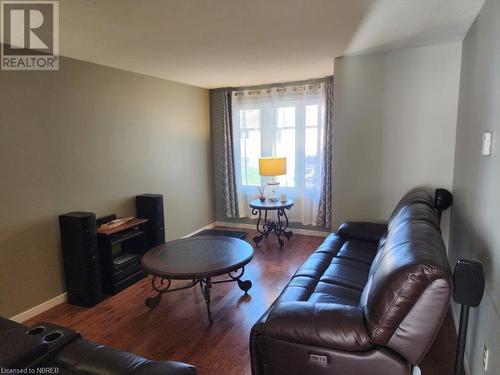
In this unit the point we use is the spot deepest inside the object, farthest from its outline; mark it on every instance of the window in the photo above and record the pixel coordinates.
(250, 132)
(279, 122)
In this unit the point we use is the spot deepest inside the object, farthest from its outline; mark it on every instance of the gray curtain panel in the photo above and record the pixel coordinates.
(325, 202)
(228, 172)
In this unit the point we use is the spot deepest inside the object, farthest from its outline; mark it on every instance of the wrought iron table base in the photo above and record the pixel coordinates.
(278, 227)
(205, 285)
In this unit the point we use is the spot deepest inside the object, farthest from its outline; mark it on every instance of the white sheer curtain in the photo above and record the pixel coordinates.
(280, 121)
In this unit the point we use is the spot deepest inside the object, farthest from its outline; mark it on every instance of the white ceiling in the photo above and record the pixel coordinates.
(217, 43)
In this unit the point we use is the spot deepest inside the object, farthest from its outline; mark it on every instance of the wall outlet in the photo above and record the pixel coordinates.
(486, 353)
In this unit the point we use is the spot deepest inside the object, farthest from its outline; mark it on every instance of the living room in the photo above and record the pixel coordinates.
(314, 181)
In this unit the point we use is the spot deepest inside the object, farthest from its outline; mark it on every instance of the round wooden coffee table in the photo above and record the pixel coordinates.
(198, 259)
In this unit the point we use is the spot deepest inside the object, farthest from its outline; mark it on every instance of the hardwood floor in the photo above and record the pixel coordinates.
(178, 329)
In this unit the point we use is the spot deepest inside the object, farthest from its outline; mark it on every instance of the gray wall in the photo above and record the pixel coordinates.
(475, 229)
(90, 138)
(395, 123)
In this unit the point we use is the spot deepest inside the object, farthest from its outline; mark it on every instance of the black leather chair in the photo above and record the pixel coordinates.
(45, 345)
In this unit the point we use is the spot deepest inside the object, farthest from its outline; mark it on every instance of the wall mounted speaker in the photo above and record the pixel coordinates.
(442, 199)
(468, 282)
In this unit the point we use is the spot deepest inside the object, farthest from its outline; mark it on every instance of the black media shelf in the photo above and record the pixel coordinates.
(122, 268)
(118, 238)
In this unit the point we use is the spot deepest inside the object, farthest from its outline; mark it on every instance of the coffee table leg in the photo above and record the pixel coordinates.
(153, 302)
(206, 285)
(244, 285)
(162, 286)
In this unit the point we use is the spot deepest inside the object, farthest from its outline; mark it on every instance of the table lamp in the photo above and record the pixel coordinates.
(272, 166)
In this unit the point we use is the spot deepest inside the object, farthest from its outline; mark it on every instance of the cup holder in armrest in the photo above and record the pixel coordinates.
(53, 336)
(35, 331)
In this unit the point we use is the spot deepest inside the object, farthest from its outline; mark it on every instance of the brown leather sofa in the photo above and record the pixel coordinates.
(369, 301)
(48, 348)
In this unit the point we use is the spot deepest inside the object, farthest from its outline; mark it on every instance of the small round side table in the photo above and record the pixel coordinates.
(265, 226)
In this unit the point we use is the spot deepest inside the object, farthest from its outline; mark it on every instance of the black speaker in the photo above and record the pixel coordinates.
(468, 289)
(81, 258)
(468, 282)
(150, 206)
(442, 201)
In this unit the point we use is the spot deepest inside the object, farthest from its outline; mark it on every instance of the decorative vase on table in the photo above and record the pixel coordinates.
(261, 195)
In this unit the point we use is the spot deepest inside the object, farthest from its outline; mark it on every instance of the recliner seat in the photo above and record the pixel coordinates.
(24, 347)
(369, 300)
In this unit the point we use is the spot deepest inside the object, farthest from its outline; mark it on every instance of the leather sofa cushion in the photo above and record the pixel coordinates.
(347, 273)
(332, 293)
(335, 273)
(371, 232)
(326, 277)
(329, 325)
(359, 251)
(315, 265)
(331, 245)
(299, 288)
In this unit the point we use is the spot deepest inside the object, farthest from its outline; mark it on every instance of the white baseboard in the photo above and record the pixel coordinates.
(209, 226)
(28, 314)
(252, 226)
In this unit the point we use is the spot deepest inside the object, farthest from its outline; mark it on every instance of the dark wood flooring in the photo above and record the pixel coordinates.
(178, 330)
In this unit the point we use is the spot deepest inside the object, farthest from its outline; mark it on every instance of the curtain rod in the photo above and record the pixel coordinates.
(280, 90)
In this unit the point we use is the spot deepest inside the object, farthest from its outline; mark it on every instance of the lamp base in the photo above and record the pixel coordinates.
(275, 185)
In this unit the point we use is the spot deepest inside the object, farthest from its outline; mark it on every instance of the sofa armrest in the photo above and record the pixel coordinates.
(19, 349)
(86, 357)
(321, 324)
(372, 232)
(9, 325)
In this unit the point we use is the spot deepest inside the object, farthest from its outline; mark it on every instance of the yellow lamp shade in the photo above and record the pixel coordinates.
(273, 166)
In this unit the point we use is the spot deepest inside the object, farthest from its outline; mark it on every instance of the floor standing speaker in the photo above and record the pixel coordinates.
(468, 289)
(150, 206)
(81, 258)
